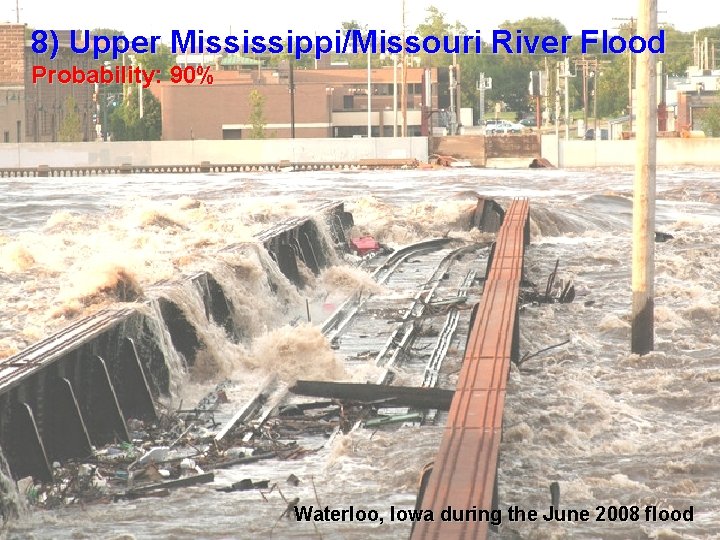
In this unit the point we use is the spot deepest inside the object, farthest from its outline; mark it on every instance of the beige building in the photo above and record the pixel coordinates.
(34, 112)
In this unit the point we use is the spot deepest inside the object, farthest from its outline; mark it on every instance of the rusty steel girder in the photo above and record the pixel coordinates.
(465, 467)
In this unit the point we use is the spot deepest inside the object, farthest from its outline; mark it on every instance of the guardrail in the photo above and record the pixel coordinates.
(44, 171)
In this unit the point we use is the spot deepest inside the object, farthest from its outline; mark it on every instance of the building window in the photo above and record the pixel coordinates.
(232, 134)
(6, 137)
(348, 102)
(18, 126)
(351, 131)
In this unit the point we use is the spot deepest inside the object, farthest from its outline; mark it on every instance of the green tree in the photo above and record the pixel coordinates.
(125, 121)
(711, 120)
(71, 127)
(257, 115)
(162, 60)
(510, 73)
(678, 52)
(353, 60)
(359, 60)
(152, 117)
(352, 25)
(109, 32)
(436, 25)
(612, 93)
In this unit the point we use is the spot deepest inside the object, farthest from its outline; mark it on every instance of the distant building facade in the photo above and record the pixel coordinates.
(35, 112)
(696, 95)
(330, 102)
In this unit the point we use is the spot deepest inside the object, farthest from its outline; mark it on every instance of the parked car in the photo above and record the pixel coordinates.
(529, 122)
(591, 135)
(501, 127)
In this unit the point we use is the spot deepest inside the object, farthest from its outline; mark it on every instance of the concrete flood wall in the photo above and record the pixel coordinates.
(481, 150)
(78, 388)
(163, 153)
(671, 152)
(466, 147)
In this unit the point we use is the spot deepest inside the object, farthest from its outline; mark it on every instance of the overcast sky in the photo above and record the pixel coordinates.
(150, 17)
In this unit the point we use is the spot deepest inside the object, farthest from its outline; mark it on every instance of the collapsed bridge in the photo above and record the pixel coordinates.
(77, 388)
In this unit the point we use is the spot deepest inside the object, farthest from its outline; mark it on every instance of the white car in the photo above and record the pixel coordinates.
(503, 126)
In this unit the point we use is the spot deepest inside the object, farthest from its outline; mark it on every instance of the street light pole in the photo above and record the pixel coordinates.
(104, 122)
(585, 96)
(395, 108)
(329, 92)
(291, 84)
(403, 90)
(566, 74)
(369, 99)
(452, 120)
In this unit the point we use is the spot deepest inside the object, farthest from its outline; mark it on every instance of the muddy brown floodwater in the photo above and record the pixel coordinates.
(613, 429)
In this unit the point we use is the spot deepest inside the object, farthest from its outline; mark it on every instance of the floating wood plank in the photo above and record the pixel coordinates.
(244, 460)
(180, 482)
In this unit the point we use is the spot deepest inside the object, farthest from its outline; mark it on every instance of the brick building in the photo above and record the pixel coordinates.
(697, 95)
(35, 112)
(692, 107)
(328, 103)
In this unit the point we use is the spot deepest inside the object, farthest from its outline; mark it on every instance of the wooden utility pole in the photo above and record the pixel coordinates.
(643, 245)
(596, 80)
(588, 64)
(630, 70)
(630, 56)
(458, 103)
(585, 96)
(558, 66)
(566, 74)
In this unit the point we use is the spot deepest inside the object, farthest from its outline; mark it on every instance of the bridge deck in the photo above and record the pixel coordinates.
(463, 476)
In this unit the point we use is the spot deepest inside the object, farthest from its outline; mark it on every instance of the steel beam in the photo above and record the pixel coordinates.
(132, 389)
(99, 405)
(66, 435)
(25, 450)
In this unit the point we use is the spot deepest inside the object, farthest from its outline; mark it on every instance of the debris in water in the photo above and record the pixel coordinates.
(364, 245)
(562, 292)
(244, 485)
(528, 356)
(293, 480)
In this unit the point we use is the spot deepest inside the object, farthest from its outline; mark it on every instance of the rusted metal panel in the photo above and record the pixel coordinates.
(465, 467)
